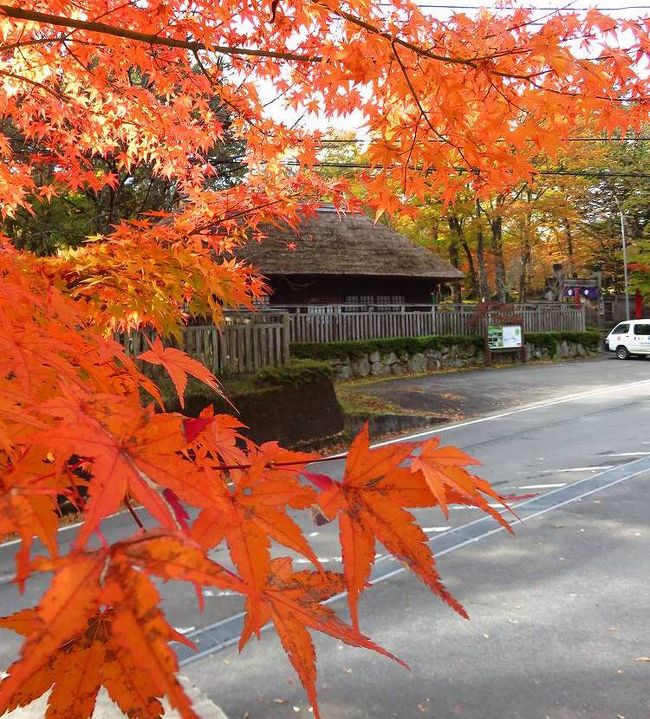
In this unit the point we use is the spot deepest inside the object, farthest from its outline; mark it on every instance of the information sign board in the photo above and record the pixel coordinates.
(504, 337)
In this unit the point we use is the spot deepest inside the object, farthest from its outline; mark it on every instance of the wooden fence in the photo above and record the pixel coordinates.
(244, 343)
(307, 325)
(248, 341)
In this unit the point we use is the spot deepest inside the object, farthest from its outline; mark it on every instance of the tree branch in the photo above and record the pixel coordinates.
(149, 38)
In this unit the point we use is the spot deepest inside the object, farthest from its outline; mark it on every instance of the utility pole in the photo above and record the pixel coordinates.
(627, 293)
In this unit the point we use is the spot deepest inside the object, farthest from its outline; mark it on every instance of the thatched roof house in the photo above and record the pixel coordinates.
(334, 259)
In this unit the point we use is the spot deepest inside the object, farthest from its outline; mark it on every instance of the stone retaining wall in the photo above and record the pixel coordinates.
(452, 357)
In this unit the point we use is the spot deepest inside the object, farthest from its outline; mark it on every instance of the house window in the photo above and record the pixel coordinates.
(390, 300)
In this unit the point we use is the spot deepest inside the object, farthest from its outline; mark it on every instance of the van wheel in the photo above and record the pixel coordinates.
(622, 353)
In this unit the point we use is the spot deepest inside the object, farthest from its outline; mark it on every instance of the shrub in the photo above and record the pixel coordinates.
(357, 348)
(590, 339)
(294, 373)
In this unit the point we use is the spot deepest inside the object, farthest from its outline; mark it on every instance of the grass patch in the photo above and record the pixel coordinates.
(355, 402)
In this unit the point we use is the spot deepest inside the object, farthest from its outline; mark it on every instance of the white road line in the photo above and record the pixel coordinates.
(65, 528)
(542, 486)
(509, 413)
(627, 454)
(583, 469)
(430, 530)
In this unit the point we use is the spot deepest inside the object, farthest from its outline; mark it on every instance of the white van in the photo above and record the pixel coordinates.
(629, 338)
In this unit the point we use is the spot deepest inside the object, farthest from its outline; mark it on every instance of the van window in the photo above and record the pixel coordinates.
(621, 329)
(642, 329)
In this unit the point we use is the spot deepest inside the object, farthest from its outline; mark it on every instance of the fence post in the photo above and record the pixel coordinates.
(286, 329)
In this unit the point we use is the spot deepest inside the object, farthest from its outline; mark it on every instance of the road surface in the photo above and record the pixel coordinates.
(558, 613)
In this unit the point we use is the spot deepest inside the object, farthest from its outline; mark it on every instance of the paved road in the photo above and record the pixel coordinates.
(454, 395)
(589, 419)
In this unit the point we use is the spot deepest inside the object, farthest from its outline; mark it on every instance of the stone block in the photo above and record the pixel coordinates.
(417, 363)
(361, 367)
(344, 372)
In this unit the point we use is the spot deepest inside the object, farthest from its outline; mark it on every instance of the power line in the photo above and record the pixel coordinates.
(367, 166)
(350, 141)
(535, 8)
(569, 173)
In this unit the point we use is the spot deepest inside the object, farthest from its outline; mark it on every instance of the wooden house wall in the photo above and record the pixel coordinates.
(338, 289)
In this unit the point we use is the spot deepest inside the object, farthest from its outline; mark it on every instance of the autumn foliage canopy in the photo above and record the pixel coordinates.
(446, 104)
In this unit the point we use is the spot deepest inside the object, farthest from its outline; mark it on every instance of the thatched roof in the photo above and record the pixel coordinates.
(329, 244)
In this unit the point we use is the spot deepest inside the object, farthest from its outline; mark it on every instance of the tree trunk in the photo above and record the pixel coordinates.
(526, 253)
(483, 287)
(496, 248)
(454, 261)
(457, 240)
(471, 268)
(569, 246)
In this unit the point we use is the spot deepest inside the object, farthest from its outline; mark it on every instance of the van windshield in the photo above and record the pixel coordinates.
(621, 329)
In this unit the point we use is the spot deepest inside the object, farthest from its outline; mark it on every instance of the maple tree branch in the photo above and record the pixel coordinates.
(475, 63)
(194, 46)
(373, 29)
(423, 113)
(149, 38)
(55, 93)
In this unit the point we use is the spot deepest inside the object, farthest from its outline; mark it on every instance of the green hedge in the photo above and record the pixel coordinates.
(357, 348)
(294, 373)
(590, 339)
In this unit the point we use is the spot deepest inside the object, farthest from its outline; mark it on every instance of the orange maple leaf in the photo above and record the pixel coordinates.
(178, 365)
(293, 602)
(370, 503)
(216, 436)
(99, 624)
(249, 509)
(28, 488)
(443, 469)
(131, 451)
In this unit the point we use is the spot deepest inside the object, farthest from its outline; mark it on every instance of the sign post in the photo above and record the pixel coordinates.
(503, 334)
(503, 330)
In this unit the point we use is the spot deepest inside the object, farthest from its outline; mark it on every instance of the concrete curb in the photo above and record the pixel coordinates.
(106, 709)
